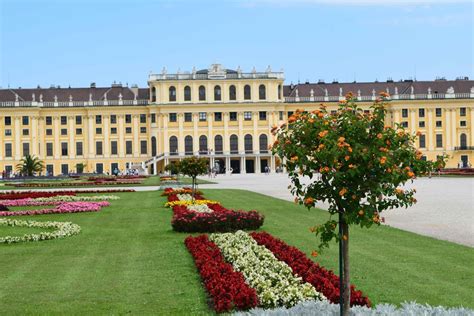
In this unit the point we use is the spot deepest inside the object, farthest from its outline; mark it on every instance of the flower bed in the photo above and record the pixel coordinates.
(207, 215)
(323, 280)
(31, 195)
(60, 208)
(226, 287)
(63, 229)
(73, 184)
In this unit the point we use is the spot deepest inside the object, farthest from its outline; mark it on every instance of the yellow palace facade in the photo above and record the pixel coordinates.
(221, 114)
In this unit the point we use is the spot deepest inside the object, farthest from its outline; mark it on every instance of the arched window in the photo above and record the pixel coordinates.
(203, 145)
(188, 145)
(262, 92)
(187, 93)
(248, 143)
(153, 94)
(153, 146)
(263, 144)
(234, 144)
(202, 93)
(172, 94)
(218, 146)
(232, 93)
(173, 145)
(247, 92)
(217, 93)
(463, 141)
(279, 92)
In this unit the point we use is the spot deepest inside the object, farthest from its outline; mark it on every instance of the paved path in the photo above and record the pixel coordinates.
(445, 208)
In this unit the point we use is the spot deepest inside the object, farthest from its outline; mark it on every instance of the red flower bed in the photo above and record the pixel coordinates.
(31, 195)
(323, 280)
(221, 220)
(73, 184)
(226, 287)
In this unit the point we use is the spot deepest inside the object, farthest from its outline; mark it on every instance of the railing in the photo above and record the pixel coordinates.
(49, 104)
(196, 76)
(419, 96)
(464, 148)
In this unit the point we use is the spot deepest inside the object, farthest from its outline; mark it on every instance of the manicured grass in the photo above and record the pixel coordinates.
(128, 260)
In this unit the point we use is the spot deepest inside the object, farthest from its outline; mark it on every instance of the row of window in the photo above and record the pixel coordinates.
(439, 124)
(79, 148)
(439, 140)
(188, 117)
(78, 119)
(172, 94)
(218, 144)
(99, 168)
(439, 112)
(64, 131)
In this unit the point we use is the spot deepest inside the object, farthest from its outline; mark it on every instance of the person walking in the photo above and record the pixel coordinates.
(231, 170)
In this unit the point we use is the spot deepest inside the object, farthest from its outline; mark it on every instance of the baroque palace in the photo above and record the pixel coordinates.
(222, 114)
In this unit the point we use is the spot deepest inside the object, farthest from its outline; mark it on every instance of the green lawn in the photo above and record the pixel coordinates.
(128, 260)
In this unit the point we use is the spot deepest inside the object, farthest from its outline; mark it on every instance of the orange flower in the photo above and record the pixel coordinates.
(349, 149)
(311, 121)
(287, 142)
(361, 212)
(292, 119)
(276, 143)
(383, 160)
(347, 158)
(309, 201)
(351, 166)
(411, 174)
(320, 115)
(379, 136)
(343, 192)
(384, 94)
(294, 158)
(321, 146)
(326, 169)
(388, 170)
(323, 133)
(341, 139)
(342, 101)
(314, 253)
(349, 95)
(418, 133)
(399, 191)
(354, 197)
(274, 129)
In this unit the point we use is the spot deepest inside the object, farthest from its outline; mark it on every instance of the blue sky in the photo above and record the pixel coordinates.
(78, 42)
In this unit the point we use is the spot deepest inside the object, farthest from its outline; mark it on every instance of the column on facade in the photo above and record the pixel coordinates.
(413, 126)
(56, 144)
(121, 142)
(240, 117)
(210, 136)
(257, 164)
(166, 139)
(471, 126)
(17, 134)
(34, 135)
(272, 164)
(42, 144)
(453, 125)
(155, 167)
(136, 132)
(195, 133)
(181, 133)
(430, 131)
(71, 147)
(107, 135)
(243, 169)
(255, 137)
(90, 136)
(396, 117)
(226, 135)
(447, 135)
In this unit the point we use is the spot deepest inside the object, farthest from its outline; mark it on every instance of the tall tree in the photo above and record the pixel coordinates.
(193, 167)
(355, 163)
(30, 165)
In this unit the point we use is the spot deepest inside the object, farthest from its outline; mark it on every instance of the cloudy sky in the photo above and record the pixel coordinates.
(46, 42)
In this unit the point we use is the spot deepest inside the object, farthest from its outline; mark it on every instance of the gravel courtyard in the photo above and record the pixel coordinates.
(445, 208)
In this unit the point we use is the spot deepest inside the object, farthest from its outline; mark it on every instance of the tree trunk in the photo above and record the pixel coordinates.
(346, 276)
(193, 188)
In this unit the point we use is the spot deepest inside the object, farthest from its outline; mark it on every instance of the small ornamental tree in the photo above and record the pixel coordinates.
(30, 165)
(193, 167)
(173, 168)
(355, 163)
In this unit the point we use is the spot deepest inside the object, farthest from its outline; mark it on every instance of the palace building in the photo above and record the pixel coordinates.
(221, 114)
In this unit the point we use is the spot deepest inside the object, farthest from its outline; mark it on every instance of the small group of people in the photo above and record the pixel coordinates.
(213, 172)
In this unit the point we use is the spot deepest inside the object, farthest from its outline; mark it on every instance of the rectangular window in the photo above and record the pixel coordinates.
(439, 140)
(463, 123)
(63, 149)
(248, 116)
(233, 116)
(172, 117)
(439, 123)
(143, 130)
(188, 117)
(8, 132)
(8, 120)
(65, 169)
(63, 120)
(262, 115)
(78, 120)
(98, 119)
(113, 119)
(113, 130)
(153, 118)
(26, 132)
(218, 116)
(421, 124)
(421, 112)
(280, 115)
(128, 130)
(290, 113)
(404, 124)
(26, 149)
(202, 116)
(98, 148)
(49, 132)
(143, 147)
(128, 118)
(79, 149)
(462, 112)
(25, 120)
(143, 118)
(422, 141)
(49, 170)
(49, 120)
(98, 130)
(439, 112)
(49, 149)
(128, 147)
(78, 131)
(63, 131)
(8, 149)
(404, 112)
(99, 168)
(113, 147)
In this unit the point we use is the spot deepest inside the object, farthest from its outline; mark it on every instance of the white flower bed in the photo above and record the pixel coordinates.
(185, 197)
(74, 198)
(63, 229)
(274, 281)
(199, 208)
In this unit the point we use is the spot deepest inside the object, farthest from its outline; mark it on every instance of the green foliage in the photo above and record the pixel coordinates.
(193, 167)
(361, 163)
(30, 165)
(173, 167)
